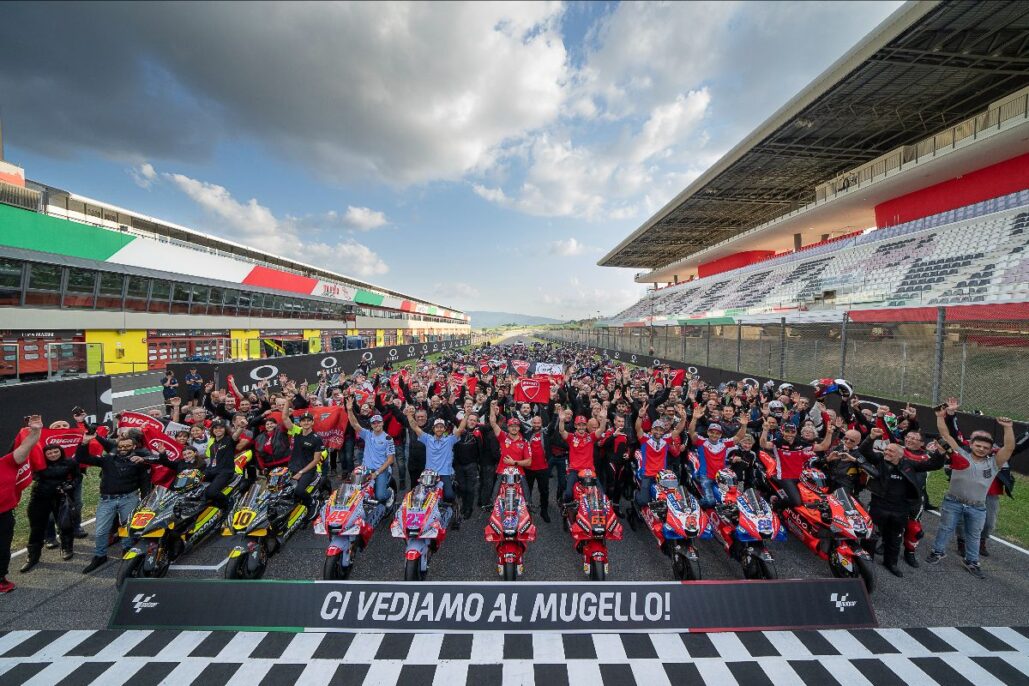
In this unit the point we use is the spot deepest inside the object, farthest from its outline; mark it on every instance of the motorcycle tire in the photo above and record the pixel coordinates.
(768, 570)
(685, 569)
(413, 570)
(865, 571)
(510, 571)
(234, 568)
(564, 523)
(331, 569)
(597, 572)
(631, 517)
(129, 570)
(254, 566)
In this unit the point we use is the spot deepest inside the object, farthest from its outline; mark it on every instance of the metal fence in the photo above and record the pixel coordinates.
(985, 364)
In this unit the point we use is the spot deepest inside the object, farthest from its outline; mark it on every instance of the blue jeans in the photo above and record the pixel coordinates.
(643, 493)
(448, 487)
(707, 490)
(106, 509)
(973, 519)
(382, 486)
(573, 476)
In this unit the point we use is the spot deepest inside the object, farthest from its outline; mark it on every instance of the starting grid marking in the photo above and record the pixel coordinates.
(873, 657)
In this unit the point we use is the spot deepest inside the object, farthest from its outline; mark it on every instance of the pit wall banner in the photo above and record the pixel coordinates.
(714, 376)
(355, 606)
(299, 367)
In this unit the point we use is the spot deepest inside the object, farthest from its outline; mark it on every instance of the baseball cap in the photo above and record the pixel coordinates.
(306, 415)
(580, 420)
(513, 422)
(715, 426)
(376, 418)
(439, 421)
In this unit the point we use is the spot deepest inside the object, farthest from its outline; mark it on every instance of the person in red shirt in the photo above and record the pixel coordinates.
(15, 476)
(538, 471)
(514, 449)
(581, 444)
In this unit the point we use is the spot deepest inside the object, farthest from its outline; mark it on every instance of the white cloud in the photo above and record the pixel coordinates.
(568, 247)
(574, 299)
(457, 291)
(143, 175)
(492, 194)
(364, 218)
(253, 224)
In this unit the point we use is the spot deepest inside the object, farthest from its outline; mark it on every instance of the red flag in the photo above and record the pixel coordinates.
(161, 442)
(521, 367)
(394, 383)
(532, 391)
(362, 396)
(135, 420)
(330, 423)
(68, 439)
(484, 366)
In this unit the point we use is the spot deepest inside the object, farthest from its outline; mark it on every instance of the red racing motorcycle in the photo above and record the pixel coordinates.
(349, 518)
(510, 525)
(592, 523)
(743, 523)
(833, 525)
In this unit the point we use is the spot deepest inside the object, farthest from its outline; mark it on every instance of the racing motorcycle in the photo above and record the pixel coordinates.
(676, 520)
(168, 523)
(349, 518)
(743, 523)
(422, 522)
(833, 525)
(510, 525)
(264, 519)
(591, 521)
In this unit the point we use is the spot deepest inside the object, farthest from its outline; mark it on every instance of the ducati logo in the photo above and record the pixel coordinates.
(141, 601)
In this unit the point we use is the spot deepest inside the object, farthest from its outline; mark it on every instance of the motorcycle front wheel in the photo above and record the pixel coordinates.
(510, 571)
(234, 567)
(129, 570)
(684, 568)
(597, 572)
(767, 569)
(332, 570)
(413, 570)
(865, 571)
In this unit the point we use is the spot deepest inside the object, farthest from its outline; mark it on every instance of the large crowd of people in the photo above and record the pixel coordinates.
(547, 409)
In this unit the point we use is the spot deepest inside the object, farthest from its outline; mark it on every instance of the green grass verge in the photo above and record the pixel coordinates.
(1013, 518)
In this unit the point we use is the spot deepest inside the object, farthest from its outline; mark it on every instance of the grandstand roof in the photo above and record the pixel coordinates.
(928, 66)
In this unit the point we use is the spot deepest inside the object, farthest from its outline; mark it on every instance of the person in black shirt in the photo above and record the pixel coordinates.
(123, 474)
(305, 457)
(53, 485)
(221, 465)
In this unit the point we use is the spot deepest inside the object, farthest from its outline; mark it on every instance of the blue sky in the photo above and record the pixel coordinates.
(483, 155)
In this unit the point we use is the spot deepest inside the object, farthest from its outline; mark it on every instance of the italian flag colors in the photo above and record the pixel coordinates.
(33, 231)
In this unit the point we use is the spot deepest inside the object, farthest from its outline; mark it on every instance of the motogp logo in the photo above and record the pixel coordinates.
(841, 602)
(144, 601)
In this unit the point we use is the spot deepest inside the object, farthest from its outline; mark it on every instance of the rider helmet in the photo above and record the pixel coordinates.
(358, 475)
(510, 476)
(278, 479)
(725, 480)
(814, 478)
(428, 478)
(187, 480)
(776, 408)
(785, 388)
(588, 478)
(667, 479)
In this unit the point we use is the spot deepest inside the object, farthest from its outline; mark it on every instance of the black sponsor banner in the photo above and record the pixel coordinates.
(714, 376)
(299, 367)
(492, 606)
(53, 401)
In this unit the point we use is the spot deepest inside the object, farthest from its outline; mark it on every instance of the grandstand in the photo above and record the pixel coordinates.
(898, 179)
(88, 287)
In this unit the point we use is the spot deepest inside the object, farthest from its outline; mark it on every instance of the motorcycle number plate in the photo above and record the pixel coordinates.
(243, 517)
(141, 519)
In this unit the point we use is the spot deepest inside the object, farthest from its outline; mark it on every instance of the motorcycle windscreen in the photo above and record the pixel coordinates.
(845, 500)
(755, 503)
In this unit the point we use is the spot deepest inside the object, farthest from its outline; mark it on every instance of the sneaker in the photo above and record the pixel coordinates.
(81, 533)
(974, 570)
(486, 508)
(894, 570)
(51, 543)
(909, 557)
(545, 514)
(6, 586)
(961, 547)
(934, 557)
(94, 564)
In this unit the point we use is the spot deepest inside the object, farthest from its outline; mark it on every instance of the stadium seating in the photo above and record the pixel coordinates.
(973, 254)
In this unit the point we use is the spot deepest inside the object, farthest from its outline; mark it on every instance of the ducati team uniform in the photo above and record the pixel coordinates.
(580, 457)
(653, 459)
(710, 459)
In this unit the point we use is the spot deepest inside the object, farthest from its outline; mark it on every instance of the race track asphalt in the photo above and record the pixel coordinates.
(57, 596)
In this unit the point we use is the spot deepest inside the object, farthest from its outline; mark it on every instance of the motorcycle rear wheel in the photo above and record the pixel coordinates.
(510, 571)
(129, 570)
(413, 570)
(597, 572)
